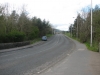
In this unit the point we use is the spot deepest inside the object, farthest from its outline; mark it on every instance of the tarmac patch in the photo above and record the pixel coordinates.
(81, 49)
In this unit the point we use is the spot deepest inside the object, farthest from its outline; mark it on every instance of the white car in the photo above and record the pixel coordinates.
(44, 38)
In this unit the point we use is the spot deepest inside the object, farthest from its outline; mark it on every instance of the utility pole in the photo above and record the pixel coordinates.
(71, 30)
(77, 26)
(91, 25)
(52, 31)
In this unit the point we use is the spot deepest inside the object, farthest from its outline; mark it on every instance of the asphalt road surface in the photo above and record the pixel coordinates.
(36, 59)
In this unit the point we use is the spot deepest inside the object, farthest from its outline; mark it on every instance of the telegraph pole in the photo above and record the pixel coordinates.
(77, 26)
(91, 25)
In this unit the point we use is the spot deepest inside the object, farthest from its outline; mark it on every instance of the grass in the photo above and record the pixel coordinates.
(49, 35)
(94, 48)
(69, 35)
(35, 40)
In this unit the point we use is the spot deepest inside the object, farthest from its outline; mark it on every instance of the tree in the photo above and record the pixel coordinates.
(43, 26)
(84, 23)
(16, 27)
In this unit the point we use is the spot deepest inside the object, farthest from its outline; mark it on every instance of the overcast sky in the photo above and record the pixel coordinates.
(60, 13)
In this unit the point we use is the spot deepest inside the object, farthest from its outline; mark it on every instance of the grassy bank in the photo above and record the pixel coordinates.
(95, 47)
(49, 35)
(35, 40)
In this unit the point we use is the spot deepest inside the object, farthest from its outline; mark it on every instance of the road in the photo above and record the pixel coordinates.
(36, 59)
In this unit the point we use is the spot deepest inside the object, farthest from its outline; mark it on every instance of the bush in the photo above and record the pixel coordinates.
(34, 33)
(15, 36)
(2, 38)
(31, 36)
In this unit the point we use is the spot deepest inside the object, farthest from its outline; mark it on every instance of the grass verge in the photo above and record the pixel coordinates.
(94, 48)
(35, 40)
(49, 35)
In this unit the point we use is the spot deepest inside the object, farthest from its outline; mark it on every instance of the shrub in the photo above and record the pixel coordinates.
(2, 37)
(34, 33)
(15, 36)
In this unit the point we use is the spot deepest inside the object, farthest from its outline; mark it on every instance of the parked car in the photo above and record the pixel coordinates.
(44, 38)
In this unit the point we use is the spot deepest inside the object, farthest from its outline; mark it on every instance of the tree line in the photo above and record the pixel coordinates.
(16, 27)
(82, 26)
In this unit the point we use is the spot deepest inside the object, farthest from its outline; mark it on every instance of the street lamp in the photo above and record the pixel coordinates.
(71, 30)
(77, 25)
(91, 25)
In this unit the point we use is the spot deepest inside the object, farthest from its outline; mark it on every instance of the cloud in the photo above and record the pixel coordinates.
(56, 11)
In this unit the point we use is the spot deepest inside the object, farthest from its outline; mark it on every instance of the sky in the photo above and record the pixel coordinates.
(60, 13)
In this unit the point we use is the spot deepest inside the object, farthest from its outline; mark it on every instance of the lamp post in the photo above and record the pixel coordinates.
(77, 26)
(71, 30)
(91, 25)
